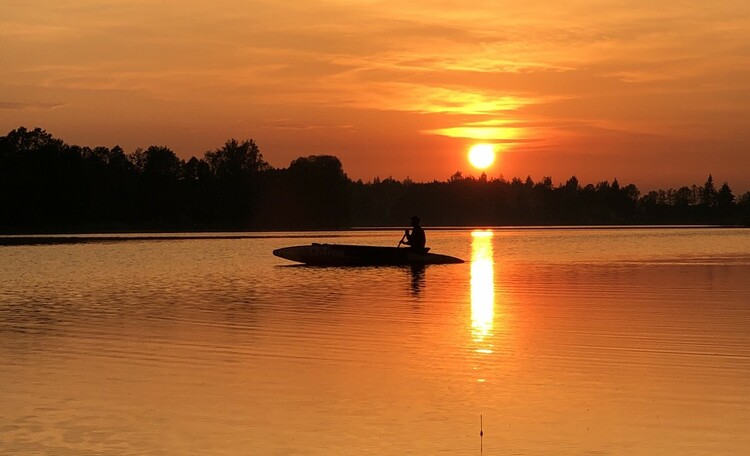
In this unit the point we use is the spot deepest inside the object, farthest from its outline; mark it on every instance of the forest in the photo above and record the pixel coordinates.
(48, 186)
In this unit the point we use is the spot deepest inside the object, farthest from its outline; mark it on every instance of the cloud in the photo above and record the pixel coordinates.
(26, 106)
(286, 124)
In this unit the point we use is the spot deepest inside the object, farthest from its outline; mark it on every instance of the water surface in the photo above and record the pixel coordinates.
(567, 342)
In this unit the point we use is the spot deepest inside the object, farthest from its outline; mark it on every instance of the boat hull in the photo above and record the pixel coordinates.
(360, 255)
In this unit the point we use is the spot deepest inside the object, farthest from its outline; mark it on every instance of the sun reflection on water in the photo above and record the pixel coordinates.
(482, 290)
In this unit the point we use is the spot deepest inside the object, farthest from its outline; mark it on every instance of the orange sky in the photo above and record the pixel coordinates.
(654, 93)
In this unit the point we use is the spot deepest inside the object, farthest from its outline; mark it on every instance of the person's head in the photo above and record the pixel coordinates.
(414, 220)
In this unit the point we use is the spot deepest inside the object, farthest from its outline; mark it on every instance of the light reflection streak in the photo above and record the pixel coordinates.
(482, 290)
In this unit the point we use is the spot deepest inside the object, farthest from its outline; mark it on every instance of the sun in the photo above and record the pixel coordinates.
(481, 156)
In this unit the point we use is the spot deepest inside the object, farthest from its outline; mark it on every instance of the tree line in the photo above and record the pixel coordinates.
(49, 186)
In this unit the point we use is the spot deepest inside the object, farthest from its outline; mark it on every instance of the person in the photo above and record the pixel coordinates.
(416, 239)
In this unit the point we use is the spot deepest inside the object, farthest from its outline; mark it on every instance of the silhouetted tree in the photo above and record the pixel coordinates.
(725, 197)
(743, 209)
(683, 197)
(708, 193)
(235, 189)
(320, 190)
(725, 204)
(572, 185)
(35, 179)
(158, 201)
(236, 160)
(196, 170)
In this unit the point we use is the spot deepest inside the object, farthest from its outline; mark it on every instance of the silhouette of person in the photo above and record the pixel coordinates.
(416, 239)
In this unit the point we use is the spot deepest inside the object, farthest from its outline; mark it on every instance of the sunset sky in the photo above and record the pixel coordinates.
(656, 93)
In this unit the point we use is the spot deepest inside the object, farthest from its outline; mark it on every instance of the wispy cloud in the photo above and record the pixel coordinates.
(29, 106)
(286, 124)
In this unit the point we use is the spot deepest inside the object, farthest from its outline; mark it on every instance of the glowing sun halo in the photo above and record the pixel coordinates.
(481, 156)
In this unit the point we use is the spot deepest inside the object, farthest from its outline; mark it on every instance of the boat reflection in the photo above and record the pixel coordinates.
(417, 279)
(482, 290)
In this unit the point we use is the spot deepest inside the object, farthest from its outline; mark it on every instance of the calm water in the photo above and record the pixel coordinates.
(567, 342)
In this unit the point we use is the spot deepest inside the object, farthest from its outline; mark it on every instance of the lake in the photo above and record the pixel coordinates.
(565, 342)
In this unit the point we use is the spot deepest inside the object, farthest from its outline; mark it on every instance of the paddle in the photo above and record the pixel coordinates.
(401, 241)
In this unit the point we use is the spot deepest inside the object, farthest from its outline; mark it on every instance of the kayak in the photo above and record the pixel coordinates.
(361, 255)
